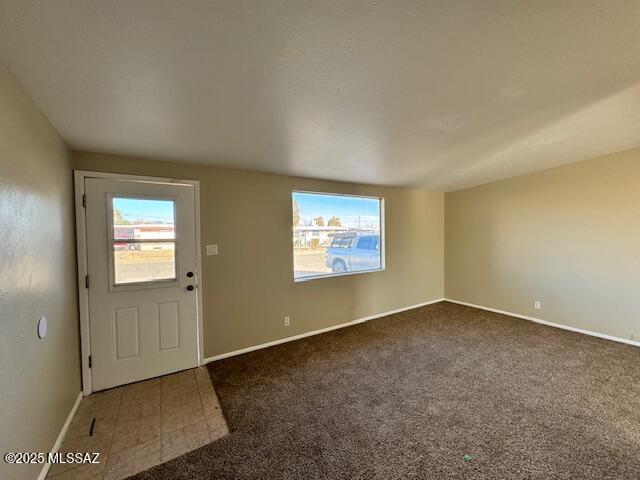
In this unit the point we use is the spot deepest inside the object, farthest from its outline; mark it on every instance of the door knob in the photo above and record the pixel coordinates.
(189, 274)
(189, 287)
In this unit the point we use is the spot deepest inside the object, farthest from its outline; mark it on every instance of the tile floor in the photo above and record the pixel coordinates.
(142, 425)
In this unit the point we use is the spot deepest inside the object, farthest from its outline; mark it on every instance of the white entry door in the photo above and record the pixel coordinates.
(141, 259)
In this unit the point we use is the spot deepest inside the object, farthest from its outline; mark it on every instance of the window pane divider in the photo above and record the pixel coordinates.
(144, 240)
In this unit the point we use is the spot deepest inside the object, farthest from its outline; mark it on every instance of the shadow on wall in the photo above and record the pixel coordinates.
(560, 134)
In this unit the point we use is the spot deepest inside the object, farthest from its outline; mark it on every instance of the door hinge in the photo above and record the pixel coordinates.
(84, 200)
(90, 362)
(86, 281)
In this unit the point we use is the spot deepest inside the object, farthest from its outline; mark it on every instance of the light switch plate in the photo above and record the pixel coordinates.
(212, 249)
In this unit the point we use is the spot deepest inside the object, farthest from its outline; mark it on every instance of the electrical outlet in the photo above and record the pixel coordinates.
(537, 305)
(212, 249)
(287, 321)
(632, 337)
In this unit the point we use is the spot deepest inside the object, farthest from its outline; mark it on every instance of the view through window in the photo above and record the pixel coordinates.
(143, 240)
(336, 234)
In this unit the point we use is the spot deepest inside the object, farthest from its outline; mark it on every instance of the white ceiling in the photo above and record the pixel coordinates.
(442, 94)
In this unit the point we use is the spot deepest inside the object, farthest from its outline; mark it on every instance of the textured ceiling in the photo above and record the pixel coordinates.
(442, 94)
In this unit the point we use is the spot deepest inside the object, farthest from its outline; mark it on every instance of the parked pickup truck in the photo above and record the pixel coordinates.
(352, 253)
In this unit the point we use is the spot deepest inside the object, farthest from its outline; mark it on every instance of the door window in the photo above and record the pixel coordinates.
(143, 240)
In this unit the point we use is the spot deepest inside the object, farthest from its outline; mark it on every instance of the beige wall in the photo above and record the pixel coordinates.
(568, 237)
(248, 287)
(39, 379)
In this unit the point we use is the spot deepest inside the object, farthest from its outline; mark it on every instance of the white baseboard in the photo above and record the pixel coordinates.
(549, 324)
(315, 332)
(65, 427)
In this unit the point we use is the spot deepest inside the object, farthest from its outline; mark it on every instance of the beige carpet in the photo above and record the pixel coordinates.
(410, 395)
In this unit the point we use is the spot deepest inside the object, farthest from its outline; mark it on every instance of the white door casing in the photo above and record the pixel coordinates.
(143, 323)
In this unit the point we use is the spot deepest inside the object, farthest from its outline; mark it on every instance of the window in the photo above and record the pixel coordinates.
(336, 235)
(143, 240)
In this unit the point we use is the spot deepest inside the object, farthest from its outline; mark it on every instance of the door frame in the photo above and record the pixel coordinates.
(79, 177)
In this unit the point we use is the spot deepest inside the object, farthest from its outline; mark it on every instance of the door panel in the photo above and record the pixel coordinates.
(169, 325)
(127, 333)
(140, 245)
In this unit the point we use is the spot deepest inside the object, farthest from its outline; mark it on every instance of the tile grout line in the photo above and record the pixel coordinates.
(113, 433)
(206, 422)
(161, 425)
(201, 404)
(217, 408)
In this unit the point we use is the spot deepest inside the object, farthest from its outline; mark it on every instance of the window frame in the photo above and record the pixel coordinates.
(111, 240)
(382, 241)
